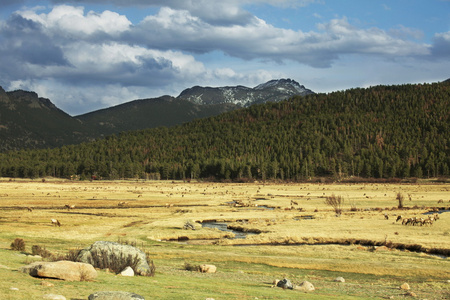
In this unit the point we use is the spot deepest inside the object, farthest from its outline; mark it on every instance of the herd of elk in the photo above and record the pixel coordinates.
(418, 221)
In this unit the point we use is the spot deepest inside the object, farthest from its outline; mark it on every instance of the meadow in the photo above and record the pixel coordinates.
(291, 233)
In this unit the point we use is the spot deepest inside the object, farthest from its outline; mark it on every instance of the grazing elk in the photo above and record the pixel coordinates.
(56, 223)
(69, 206)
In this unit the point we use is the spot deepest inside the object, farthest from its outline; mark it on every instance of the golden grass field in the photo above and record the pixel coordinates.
(301, 237)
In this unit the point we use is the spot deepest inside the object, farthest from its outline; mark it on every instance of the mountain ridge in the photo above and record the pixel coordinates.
(29, 121)
(273, 90)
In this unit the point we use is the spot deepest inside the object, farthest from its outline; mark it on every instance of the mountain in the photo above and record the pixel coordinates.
(386, 132)
(274, 91)
(149, 113)
(28, 121)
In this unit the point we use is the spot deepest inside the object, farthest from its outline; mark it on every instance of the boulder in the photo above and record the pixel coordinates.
(66, 270)
(128, 271)
(285, 284)
(105, 254)
(208, 268)
(112, 295)
(405, 286)
(305, 286)
(339, 279)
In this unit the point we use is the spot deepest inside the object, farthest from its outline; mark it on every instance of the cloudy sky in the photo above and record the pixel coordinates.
(89, 54)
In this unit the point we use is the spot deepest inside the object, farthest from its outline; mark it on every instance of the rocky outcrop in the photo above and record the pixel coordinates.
(65, 270)
(106, 254)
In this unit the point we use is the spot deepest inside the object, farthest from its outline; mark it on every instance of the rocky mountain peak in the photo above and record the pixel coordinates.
(273, 90)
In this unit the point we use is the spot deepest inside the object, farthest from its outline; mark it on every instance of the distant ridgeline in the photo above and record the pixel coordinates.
(381, 132)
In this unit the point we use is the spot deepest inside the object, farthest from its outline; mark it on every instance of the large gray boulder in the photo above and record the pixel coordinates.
(103, 255)
(66, 270)
(111, 295)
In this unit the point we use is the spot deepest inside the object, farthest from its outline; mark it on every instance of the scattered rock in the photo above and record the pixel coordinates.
(285, 284)
(382, 248)
(66, 270)
(412, 294)
(46, 283)
(405, 286)
(13, 289)
(128, 271)
(113, 252)
(112, 295)
(208, 268)
(53, 297)
(305, 286)
(339, 279)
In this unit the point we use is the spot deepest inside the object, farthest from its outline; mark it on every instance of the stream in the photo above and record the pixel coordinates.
(224, 227)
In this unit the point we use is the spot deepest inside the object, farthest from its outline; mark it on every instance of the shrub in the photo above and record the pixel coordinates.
(400, 198)
(18, 245)
(117, 264)
(38, 250)
(336, 202)
(189, 267)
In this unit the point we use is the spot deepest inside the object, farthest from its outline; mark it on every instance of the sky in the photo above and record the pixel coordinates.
(85, 55)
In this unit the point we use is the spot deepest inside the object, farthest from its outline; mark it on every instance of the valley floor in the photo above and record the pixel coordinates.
(290, 233)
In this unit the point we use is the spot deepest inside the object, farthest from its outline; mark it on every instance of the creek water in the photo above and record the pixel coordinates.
(224, 227)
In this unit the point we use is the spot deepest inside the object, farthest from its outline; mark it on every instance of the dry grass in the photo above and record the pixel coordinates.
(285, 214)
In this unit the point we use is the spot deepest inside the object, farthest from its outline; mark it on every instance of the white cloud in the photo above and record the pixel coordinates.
(71, 21)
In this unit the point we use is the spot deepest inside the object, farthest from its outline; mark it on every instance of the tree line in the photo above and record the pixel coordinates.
(378, 132)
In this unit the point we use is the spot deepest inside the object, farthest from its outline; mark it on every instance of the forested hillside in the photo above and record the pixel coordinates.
(381, 132)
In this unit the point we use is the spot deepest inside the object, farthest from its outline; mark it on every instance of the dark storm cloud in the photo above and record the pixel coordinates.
(441, 45)
(24, 45)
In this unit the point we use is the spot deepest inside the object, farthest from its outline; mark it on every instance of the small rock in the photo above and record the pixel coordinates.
(46, 283)
(53, 297)
(405, 286)
(339, 279)
(208, 268)
(13, 289)
(112, 295)
(285, 284)
(412, 294)
(128, 271)
(305, 286)
(382, 248)
(209, 299)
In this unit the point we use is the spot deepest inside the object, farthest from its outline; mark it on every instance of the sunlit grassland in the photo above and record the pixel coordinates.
(301, 237)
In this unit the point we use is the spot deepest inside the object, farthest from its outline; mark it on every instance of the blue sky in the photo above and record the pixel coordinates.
(89, 54)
